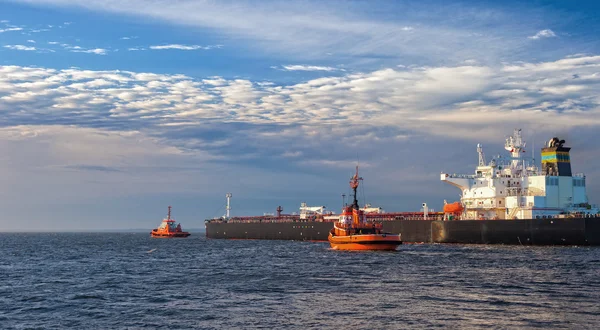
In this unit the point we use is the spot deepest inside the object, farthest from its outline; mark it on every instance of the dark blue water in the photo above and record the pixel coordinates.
(106, 281)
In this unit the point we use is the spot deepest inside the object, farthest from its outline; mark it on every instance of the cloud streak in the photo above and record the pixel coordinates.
(79, 49)
(20, 47)
(309, 68)
(184, 47)
(11, 29)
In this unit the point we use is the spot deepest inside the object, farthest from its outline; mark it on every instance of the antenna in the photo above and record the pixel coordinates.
(481, 155)
(169, 214)
(354, 182)
(228, 196)
(533, 149)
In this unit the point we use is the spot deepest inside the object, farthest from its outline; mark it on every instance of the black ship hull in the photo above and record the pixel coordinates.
(557, 231)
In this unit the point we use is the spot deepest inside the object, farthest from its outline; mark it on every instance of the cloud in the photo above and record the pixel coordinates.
(79, 49)
(430, 100)
(184, 47)
(31, 41)
(20, 47)
(11, 29)
(92, 168)
(309, 68)
(543, 34)
(310, 30)
(97, 51)
(125, 133)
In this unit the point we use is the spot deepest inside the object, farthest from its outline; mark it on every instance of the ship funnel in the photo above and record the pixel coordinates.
(556, 160)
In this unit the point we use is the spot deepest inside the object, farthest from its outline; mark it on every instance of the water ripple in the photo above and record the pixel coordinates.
(130, 281)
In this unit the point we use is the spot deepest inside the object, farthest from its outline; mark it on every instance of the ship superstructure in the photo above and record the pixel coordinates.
(514, 187)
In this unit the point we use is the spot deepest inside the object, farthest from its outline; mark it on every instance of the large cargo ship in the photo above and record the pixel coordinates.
(506, 201)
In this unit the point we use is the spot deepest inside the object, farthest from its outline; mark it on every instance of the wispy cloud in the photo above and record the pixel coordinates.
(307, 68)
(11, 29)
(97, 51)
(184, 47)
(312, 29)
(79, 49)
(31, 41)
(94, 168)
(20, 47)
(543, 34)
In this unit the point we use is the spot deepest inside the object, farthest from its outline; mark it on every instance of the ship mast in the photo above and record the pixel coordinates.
(515, 145)
(169, 214)
(228, 208)
(354, 182)
(481, 155)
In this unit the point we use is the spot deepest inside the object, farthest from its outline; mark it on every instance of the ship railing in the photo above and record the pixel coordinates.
(418, 217)
(461, 176)
(268, 220)
(516, 191)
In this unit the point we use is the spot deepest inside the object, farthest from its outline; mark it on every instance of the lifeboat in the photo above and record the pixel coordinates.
(168, 229)
(454, 208)
(353, 232)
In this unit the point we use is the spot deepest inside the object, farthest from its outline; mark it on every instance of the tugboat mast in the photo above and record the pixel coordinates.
(354, 182)
(169, 214)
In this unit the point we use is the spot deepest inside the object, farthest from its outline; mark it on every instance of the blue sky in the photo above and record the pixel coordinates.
(112, 110)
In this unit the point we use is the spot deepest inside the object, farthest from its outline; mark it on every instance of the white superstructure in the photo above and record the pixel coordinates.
(309, 211)
(514, 188)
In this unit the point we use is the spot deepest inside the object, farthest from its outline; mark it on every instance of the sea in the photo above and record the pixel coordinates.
(132, 281)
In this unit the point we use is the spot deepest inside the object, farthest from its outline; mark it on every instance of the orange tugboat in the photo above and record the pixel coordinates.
(353, 232)
(168, 229)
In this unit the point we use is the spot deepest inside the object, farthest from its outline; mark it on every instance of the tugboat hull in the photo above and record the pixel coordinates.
(170, 235)
(376, 242)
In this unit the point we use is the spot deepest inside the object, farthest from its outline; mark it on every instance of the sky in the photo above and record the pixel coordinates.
(112, 110)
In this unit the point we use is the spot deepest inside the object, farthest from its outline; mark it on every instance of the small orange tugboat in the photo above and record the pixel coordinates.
(353, 232)
(168, 229)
